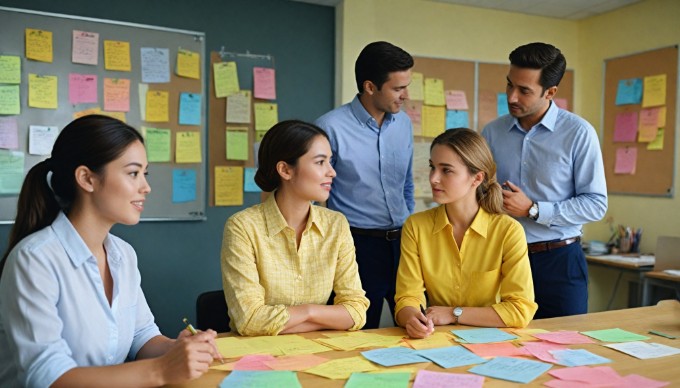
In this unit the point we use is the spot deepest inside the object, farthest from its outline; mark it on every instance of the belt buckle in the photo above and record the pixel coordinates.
(392, 235)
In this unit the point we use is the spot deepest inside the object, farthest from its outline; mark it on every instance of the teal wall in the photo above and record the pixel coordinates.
(179, 260)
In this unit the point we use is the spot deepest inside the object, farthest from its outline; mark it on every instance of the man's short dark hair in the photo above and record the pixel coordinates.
(544, 57)
(377, 60)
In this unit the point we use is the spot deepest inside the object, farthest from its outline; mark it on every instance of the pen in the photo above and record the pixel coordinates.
(660, 334)
(422, 310)
(193, 331)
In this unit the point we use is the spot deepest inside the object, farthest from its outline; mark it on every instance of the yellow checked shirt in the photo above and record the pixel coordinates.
(263, 272)
(491, 269)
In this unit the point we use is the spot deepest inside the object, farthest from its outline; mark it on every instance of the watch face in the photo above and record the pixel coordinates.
(457, 311)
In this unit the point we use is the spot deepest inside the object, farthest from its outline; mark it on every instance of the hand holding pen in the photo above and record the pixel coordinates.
(193, 332)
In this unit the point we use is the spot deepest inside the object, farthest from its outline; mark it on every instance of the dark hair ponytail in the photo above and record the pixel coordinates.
(286, 142)
(92, 141)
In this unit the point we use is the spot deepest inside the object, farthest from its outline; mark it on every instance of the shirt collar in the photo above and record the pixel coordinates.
(479, 225)
(75, 247)
(363, 116)
(276, 223)
(548, 121)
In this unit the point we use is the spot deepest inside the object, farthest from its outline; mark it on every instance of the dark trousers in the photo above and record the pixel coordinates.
(560, 281)
(378, 260)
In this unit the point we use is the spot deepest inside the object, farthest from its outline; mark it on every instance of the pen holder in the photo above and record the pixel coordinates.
(625, 244)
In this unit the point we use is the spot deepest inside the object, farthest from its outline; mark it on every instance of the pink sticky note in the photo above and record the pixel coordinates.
(497, 349)
(541, 350)
(82, 88)
(295, 363)
(585, 374)
(85, 47)
(626, 160)
(427, 379)
(636, 381)
(564, 337)
(571, 384)
(9, 133)
(456, 100)
(562, 103)
(116, 94)
(625, 128)
(264, 80)
(254, 362)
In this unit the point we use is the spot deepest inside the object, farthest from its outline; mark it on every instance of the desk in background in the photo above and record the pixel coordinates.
(624, 264)
(664, 317)
(661, 279)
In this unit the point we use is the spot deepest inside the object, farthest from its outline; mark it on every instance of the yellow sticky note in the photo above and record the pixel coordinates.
(188, 147)
(117, 55)
(654, 92)
(656, 144)
(9, 100)
(266, 115)
(92, 111)
(188, 64)
(237, 143)
(433, 120)
(415, 89)
(434, 92)
(10, 69)
(226, 79)
(42, 91)
(342, 368)
(157, 110)
(228, 186)
(259, 135)
(39, 45)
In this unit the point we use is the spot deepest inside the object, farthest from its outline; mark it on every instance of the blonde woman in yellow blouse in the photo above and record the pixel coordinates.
(282, 258)
(469, 257)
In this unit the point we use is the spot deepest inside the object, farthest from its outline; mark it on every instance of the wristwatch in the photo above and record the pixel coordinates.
(457, 312)
(533, 211)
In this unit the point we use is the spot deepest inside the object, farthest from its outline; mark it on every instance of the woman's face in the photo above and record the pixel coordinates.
(120, 190)
(450, 178)
(313, 175)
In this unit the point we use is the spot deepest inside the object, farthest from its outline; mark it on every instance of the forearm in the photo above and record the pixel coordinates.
(317, 317)
(480, 316)
(145, 373)
(405, 314)
(155, 347)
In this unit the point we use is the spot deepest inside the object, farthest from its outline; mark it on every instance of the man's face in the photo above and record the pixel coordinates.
(393, 92)
(526, 98)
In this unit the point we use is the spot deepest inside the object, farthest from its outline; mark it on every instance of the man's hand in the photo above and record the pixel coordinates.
(515, 202)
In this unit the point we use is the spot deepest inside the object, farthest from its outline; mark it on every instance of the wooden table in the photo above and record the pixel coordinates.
(664, 317)
(658, 278)
(622, 267)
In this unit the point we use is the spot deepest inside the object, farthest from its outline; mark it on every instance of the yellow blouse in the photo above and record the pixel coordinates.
(263, 271)
(490, 269)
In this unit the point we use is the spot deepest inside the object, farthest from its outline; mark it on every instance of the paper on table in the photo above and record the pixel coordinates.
(482, 336)
(254, 362)
(577, 357)
(512, 369)
(564, 337)
(645, 350)
(614, 335)
(451, 356)
(428, 379)
(394, 356)
(436, 340)
(497, 349)
(378, 379)
(342, 368)
(295, 363)
(279, 379)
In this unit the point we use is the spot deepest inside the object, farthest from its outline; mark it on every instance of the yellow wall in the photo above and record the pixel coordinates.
(432, 29)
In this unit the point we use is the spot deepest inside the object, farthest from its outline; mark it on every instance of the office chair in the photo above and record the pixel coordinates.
(211, 312)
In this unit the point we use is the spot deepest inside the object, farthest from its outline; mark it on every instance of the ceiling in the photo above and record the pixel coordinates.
(561, 9)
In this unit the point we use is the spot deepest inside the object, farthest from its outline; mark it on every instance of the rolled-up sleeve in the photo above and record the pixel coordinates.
(347, 284)
(245, 296)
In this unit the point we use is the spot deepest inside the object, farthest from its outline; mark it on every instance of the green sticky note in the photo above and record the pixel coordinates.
(237, 144)
(9, 100)
(614, 335)
(157, 144)
(11, 171)
(387, 380)
(10, 69)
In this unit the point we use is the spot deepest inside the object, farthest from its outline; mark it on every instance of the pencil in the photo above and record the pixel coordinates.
(193, 331)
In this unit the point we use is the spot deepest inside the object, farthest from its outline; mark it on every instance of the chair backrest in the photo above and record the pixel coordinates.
(667, 255)
(211, 312)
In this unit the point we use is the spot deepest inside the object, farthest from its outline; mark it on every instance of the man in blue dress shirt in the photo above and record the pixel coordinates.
(551, 164)
(372, 144)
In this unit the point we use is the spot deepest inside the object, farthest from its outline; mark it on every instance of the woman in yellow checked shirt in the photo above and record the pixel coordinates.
(282, 258)
(469, 257)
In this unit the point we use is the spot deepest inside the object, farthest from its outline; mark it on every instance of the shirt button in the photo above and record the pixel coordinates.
(457, 287)
(299, 277)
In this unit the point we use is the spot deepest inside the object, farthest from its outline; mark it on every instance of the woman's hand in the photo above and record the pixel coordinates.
(189, 357)
(440, 315)
(416, 324)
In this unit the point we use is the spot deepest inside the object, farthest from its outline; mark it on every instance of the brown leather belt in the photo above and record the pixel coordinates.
(543, 246)
(389, 235)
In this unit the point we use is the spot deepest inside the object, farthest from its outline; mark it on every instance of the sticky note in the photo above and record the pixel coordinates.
(157, 142)
(157, 109)
(183, 185)
(264, 80)
(433, 120)
(188, 147)
(237, 143)
(654, 93)
(226, 79)
(228, 186)
(85, 47)
(10, 69)
(41, 139)
(249, 185)
(117, 94)
(9, 133)
(82, 88)
(456, 100)
(239, 107)
(188, 64)
(155, 65)
(266, 115)
(190, 109)
(9, 100)
(434, 92)
(39, 45)
(117, 55)
(457, 119)
(11, 171)
(415, 88)
(629, 91)
(42, 91)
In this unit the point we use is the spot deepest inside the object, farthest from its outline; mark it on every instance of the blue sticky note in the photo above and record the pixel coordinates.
(393, 356)
(483, 336)
(629, 91)
(511, 369)
(190, 109)
(155, 65)
(577, 357)
(183, 185)
(502, 104)
(451, 356)
(267, 378)
(457, 119)
(249, 185)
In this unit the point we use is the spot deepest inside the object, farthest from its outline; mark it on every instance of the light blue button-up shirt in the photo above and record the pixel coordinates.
(558, 164)
(54, 315)
(374, 183)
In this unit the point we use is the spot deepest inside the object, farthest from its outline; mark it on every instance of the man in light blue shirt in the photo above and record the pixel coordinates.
(551, 164)
(372, 144)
